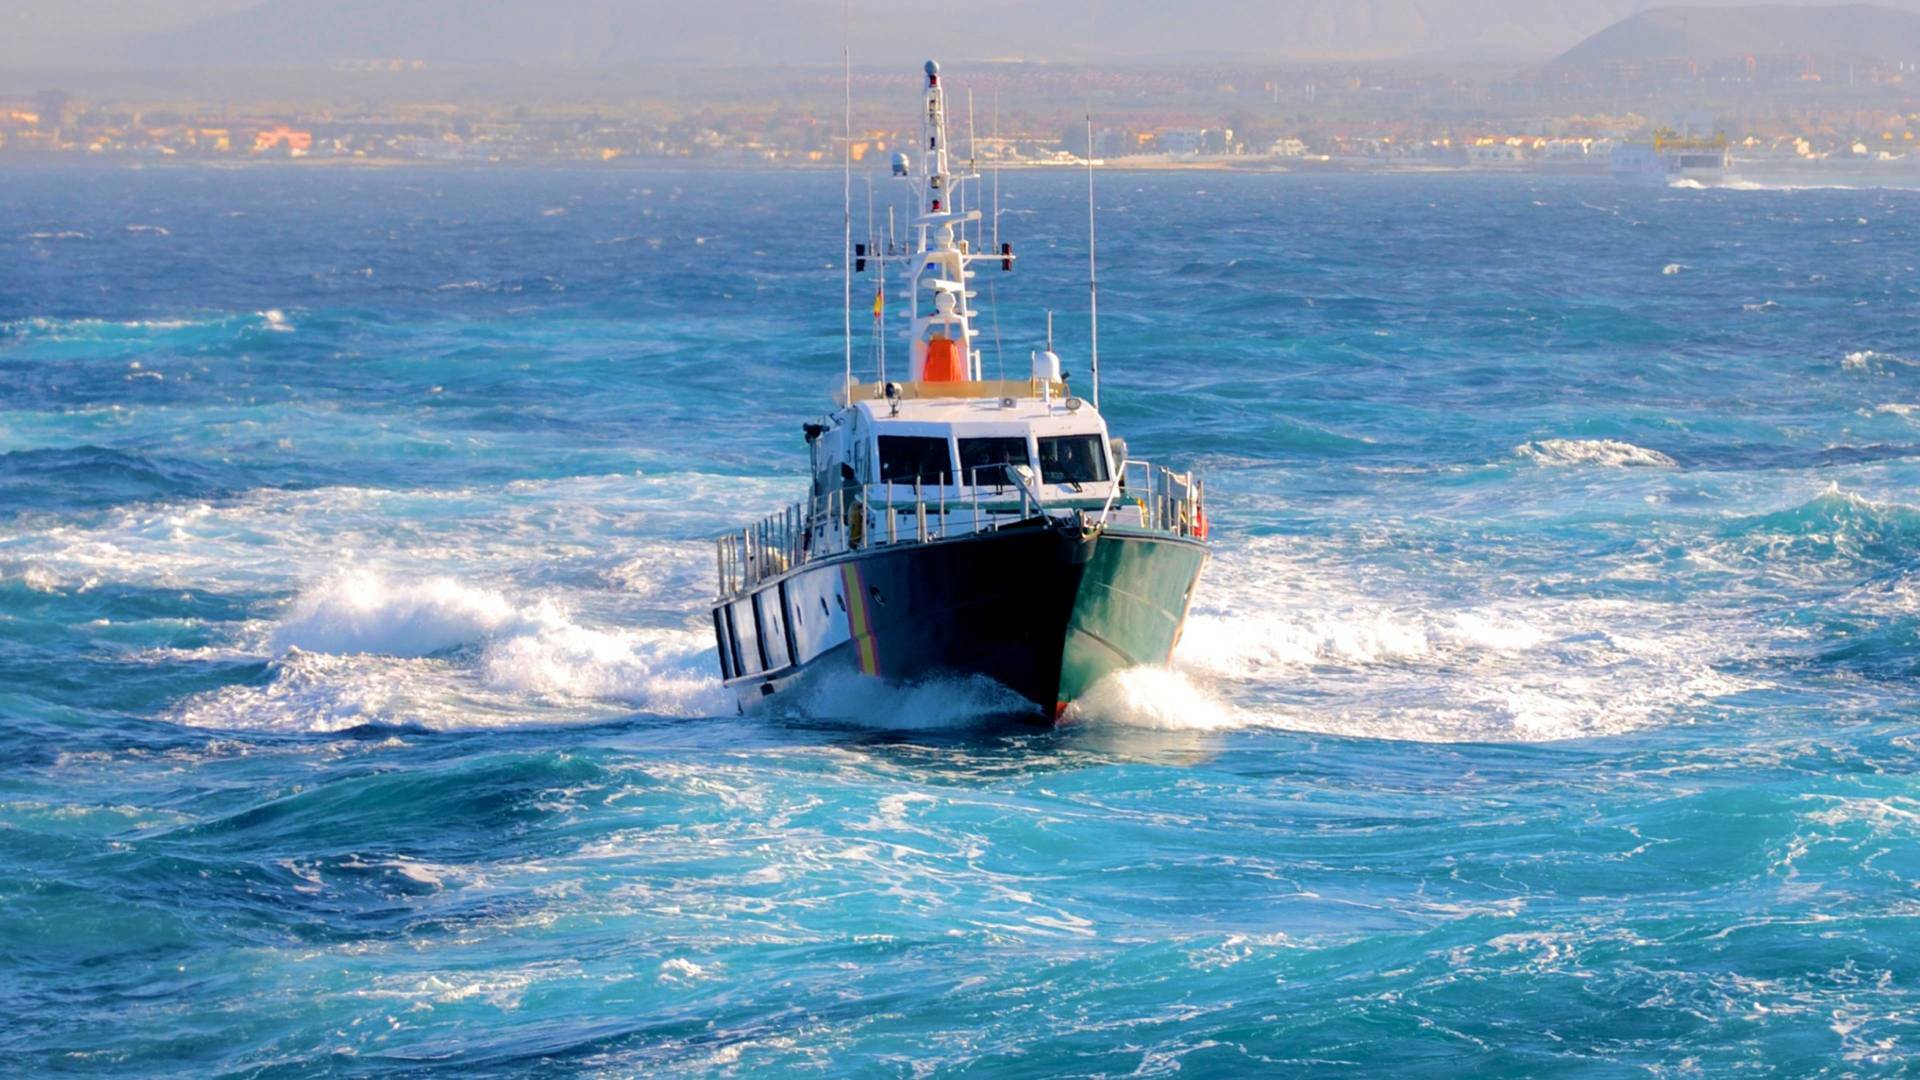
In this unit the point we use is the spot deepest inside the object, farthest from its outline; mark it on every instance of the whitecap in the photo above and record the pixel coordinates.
(1870, 360)
(363, 611)
(1608, 453)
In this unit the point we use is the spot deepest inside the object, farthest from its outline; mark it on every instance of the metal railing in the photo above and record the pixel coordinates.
(858, 518)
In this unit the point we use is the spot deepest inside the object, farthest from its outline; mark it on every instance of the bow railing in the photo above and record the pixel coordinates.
(925, 510)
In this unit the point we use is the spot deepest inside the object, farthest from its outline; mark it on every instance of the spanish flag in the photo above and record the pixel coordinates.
(879, 302)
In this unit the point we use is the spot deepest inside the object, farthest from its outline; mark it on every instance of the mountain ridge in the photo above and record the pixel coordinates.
(1856, 30)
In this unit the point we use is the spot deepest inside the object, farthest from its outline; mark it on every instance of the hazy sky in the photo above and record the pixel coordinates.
(62, 18)
(590, 32)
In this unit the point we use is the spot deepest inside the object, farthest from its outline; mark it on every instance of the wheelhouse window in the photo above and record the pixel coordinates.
(1073, 459)
(985, 461)
(906, 458)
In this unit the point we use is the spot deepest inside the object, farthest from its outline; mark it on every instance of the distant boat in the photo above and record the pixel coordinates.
(1670, 159)
(959, 526)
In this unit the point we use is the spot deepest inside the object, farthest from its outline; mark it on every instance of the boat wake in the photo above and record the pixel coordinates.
(362, 647)
(1286, 636)
(1274, 642)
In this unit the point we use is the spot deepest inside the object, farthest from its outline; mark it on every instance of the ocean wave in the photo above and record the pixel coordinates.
(139, 332)
(350, 644)
(1606, 453)
(1870, 360)
(1831, 530)
(365, 612)
(1279, 640)
(96, 476)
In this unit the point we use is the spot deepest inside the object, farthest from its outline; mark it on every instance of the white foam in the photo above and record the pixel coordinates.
(669, 672)
(1159, 700)
(1304, 635)
(364, 611)
(365, 646)
(930, 705)
(1242, 643)
(1606, 453)
(1869, 360)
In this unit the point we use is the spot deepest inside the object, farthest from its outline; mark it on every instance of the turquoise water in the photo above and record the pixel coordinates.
(1548, 709)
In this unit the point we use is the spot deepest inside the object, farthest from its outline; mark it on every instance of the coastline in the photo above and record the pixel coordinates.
(1744, 172)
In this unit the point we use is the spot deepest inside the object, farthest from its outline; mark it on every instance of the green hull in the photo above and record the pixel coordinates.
(1132, 603)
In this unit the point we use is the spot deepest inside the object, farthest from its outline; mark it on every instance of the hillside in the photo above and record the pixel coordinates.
(1863, 31)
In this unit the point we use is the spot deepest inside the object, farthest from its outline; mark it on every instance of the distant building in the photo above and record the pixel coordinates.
(285, 139)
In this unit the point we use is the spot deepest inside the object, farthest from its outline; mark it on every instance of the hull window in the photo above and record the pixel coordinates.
(906, 458)
(723, 642)
(746, 643)
(1073, 459)
(773, 631)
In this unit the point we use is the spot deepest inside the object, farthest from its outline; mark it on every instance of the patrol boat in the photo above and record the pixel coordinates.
(959, 525)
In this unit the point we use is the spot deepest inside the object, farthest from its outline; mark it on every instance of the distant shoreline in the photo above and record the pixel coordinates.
(1743, 172)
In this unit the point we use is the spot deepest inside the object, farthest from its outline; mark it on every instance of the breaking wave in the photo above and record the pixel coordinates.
(1288, 639)
(1826, 534)
(363, 648)
(1606, 453)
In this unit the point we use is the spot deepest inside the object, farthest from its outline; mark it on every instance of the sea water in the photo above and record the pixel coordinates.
(1548, 706)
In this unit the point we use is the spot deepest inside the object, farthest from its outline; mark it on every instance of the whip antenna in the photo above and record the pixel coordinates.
(1093, 271)
(846, 198)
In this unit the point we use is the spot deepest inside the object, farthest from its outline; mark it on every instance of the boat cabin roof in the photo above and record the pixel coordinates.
(986, 408)
(983, 416)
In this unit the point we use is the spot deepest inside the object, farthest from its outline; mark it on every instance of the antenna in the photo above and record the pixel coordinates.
(873, 249)
(999, 151)
(846, 202)
(880, 324)
(973, 159)
(993, 294)
(1093, 271)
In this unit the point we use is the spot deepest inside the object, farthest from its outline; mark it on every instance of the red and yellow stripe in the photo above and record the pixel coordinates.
(859, 620)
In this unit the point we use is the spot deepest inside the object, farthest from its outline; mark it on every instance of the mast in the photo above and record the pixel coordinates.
(942, 346)
(937, 247)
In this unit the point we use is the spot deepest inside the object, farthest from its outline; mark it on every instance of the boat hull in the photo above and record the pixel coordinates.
(1045, 611)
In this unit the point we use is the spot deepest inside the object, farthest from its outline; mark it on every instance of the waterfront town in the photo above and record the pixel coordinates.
(1366, 118)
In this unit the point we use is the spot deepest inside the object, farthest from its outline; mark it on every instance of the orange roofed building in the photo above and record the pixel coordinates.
(283, 138)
